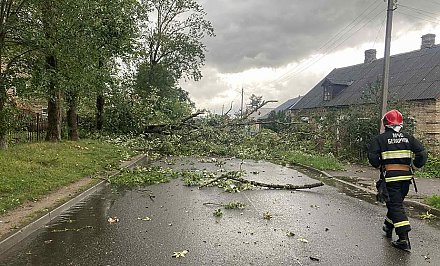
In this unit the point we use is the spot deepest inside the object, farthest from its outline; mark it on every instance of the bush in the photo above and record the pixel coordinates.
(432, 167)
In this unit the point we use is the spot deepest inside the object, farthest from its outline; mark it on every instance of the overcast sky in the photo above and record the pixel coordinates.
(280, 49)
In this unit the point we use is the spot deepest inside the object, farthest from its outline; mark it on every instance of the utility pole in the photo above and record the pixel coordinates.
(242, 95)
(386, 62)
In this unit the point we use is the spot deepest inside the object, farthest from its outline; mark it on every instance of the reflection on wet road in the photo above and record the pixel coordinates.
(323, 226)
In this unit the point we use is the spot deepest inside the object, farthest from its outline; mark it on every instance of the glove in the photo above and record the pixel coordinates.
(382, 192)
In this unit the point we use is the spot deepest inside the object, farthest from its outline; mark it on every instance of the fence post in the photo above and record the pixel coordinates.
(38, 126)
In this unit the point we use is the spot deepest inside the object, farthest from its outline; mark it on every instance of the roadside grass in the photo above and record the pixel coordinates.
(321, 162)
(30, 171)
(433, 201)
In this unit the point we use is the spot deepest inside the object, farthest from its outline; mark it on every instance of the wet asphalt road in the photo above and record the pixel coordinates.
(329, 227)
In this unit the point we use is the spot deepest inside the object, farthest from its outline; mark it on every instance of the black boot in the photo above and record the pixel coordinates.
(388, 231)
(403, 242)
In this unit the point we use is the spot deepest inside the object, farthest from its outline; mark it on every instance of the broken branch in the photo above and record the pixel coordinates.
(260, 184)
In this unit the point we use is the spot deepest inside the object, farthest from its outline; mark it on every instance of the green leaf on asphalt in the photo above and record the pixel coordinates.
(218, 213)
(289, 234)
(267, 216)
(179, 254)
(427, 216)
(302, 239)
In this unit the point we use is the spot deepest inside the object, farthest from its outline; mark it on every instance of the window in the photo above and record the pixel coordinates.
(327, 93)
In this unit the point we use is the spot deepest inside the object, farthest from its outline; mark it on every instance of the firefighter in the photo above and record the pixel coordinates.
(395, 153)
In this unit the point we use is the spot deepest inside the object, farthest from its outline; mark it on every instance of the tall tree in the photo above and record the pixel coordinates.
(173, 48)
(50, 11)
(115, 27)
(108, 30)
(16, 35)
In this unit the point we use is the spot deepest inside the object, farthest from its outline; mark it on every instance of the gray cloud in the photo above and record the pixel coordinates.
(257, 33)
(272, 34)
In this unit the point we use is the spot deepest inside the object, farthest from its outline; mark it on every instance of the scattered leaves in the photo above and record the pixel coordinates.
(218, 213)
(235, 205)
(195, 178)
(426, 257)
(72, 229)
(290, 234)
(113, 220)
(427, 216)
(180, 254)
(209, 160)
(267, 216)
(146, 218)
(144, 176)
(302, 239)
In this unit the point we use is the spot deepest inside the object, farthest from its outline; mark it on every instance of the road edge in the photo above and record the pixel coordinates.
(33, 226)
(421, 207)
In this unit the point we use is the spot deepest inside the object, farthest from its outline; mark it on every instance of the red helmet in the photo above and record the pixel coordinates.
(392, 117)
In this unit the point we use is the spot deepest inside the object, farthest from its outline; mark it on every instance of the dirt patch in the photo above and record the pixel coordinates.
(19, 217)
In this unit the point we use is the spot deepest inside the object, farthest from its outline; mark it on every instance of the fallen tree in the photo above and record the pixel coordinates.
(235, 177)
(167, 128)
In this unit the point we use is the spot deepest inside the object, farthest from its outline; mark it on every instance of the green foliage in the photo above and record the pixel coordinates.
(255, 101)
(218, 213)
(144, 176)
(175, 40)
(126, 114)
(280, 121)
(322, 162)
(347, 131)
(232, 186)
(431, 168)
(31, 171)
(195, 178)
(235, 205)
(434, 201)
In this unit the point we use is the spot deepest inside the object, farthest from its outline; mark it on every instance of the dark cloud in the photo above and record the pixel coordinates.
(257, 33)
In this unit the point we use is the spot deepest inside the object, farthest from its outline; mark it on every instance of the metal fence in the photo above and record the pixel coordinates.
(28, 129)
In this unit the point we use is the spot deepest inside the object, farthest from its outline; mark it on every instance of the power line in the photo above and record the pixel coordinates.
(434, 2)
(327, 46)
(418, 17)
(339, 44)
(419, 11)
(380, 30)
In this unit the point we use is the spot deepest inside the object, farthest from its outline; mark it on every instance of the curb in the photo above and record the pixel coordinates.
(24, 232)
(415, 204)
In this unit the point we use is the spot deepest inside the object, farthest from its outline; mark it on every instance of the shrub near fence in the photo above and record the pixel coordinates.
(28, 129)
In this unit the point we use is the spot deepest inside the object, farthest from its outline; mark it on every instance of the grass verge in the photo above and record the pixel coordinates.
(30, 171)
(321, 162)
(434, 201)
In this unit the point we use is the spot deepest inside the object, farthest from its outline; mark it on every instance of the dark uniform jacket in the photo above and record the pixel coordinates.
(393, 147)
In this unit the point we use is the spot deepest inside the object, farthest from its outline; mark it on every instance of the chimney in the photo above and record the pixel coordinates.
(428, 41)
(370, 56)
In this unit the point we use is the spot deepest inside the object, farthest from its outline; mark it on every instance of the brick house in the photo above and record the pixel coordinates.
(414, 79)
